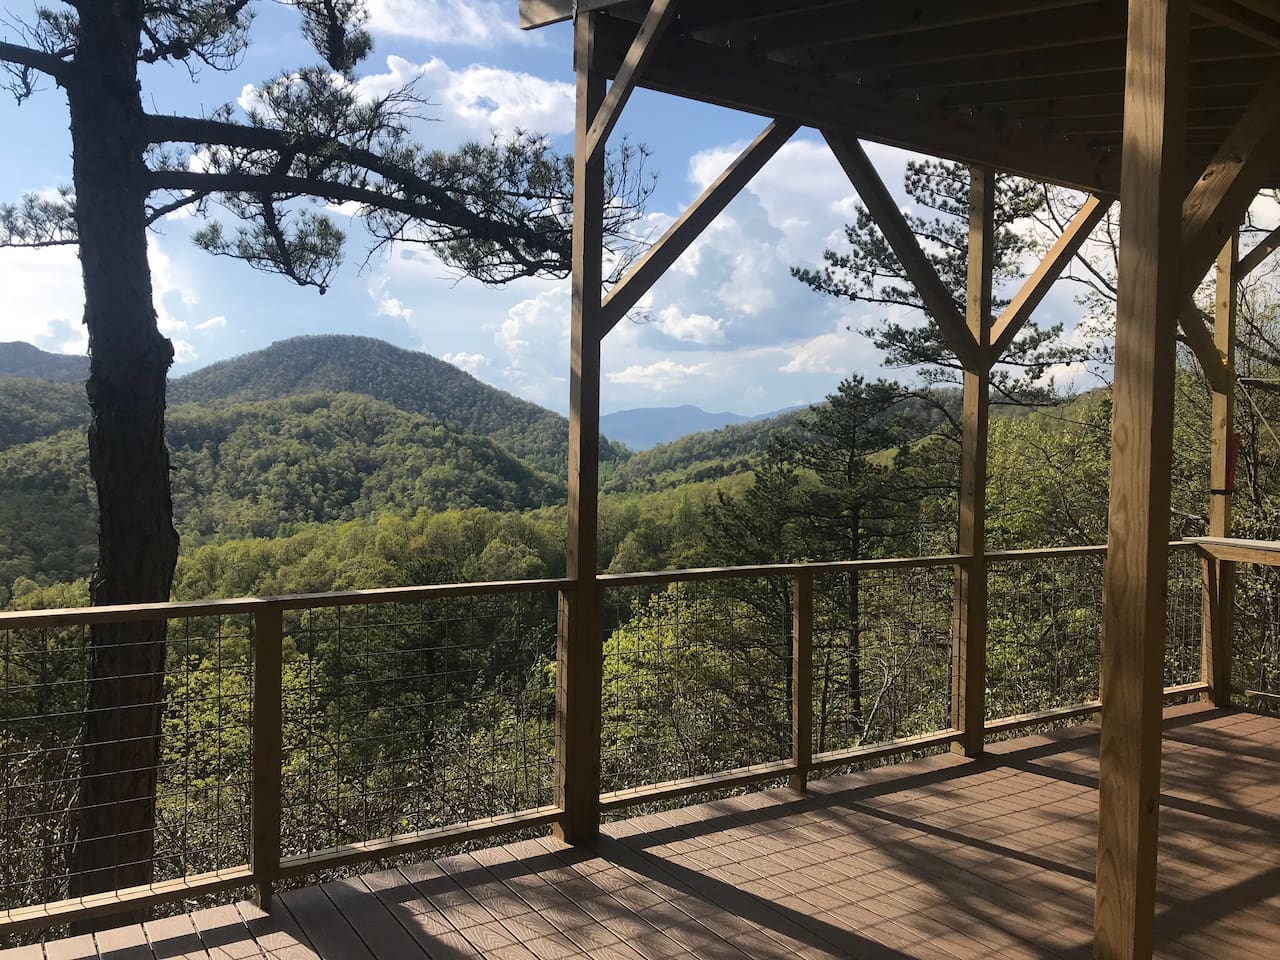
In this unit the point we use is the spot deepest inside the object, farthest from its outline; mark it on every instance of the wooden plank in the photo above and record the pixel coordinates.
(543, 13)
(1256, 256)
(1054, 715)
(700, 574)
(700, 71)
(1249, 23)
(1150, 297)
(898, 234)
(670, 789)
(224, 934)
(427, 925)
(1037, 286)
(1219, 575)
(890, 748)
(116, 901)
(79, 947)
(377, 928)
(802, 680)
(268, 730)
(656, 21)
(969, 646)
(383, 848)
(175, 938)
(31, 951)
(1216, 205)
(581, 624)
(660, 257)
(1264, 552)
(124, 943)
(324, 926)
(133, 612)
(277, 934)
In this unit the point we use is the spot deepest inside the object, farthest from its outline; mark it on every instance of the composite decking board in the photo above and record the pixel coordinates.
(277, 934)
(175, 938)
(330, 933)
(224, 934)
(430, 928)
(33, 951)
(79, 947)
(944, 859)
(124, 943)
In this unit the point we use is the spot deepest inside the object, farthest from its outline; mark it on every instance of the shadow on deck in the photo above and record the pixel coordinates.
(938, 858)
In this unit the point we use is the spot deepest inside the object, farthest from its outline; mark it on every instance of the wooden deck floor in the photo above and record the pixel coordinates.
(940, 858)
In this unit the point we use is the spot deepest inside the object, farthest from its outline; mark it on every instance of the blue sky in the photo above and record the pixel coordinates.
(729, 328)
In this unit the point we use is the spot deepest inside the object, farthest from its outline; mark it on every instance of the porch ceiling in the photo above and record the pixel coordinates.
(1034, 87)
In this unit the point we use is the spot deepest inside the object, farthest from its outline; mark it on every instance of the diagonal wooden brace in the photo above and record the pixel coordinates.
(897, 232)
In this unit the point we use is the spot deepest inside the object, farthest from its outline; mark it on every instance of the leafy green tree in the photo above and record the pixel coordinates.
(493, 211)
(867, 270)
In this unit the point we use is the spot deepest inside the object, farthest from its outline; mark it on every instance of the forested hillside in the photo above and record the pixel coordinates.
(32, 409)
(411, 381)
(258, 470)
(18, 359)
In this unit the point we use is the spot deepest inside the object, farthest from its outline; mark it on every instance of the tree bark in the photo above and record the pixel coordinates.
(128, 459)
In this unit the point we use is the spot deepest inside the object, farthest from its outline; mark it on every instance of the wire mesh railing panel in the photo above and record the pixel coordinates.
(124, 754)
(403, 717)
(1184, 617)
(696, 679)
(1255, 644)
(882, 644)
(1044, 632)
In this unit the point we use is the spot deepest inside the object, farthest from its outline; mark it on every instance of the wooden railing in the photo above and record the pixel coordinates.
(916, 620)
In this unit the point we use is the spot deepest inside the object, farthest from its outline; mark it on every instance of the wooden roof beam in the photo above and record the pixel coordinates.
(662, 255)
(1258, 23)
(897, 232)
(656, 20)
(1218, 203)
(700, 71)
(542, 13)
(1037, 286)
(790, 29)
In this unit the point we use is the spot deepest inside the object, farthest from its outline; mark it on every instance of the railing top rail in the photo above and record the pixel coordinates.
(126, 613)
(774, 570)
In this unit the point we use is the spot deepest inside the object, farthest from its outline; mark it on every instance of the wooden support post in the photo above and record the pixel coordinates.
(264, 854)
(1150, 298)
(969, 654)
(580, 623)
(1219, 575)
(802, 680)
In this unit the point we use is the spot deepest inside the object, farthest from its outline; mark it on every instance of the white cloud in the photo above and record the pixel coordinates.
(534, 339)
(476, 23)
(661, 376)
(690, 327)
(183, 351)
(477, 99)
(840, 352)
(470, 362)
(213, 323)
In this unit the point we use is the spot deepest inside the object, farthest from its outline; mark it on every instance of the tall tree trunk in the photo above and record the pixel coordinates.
(137, 545)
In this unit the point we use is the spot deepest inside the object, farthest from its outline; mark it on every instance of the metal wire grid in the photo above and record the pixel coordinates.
(696, 679)
(1044, 629)
(201, 772)
(882, 643)
(1184, 617)
(404, 717)
(1256, 630)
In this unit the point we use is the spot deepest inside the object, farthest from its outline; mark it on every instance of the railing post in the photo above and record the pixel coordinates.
(264, 853)
(802, 679)
(1220, 575)
(969, 650)
(581, 619)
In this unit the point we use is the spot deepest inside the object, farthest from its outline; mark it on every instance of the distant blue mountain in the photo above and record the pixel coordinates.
(647, 427)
